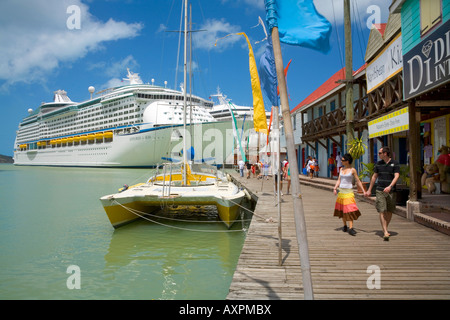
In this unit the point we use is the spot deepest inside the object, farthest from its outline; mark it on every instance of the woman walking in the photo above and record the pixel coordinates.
(345, 207)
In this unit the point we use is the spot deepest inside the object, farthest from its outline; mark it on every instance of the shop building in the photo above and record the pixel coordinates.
(425, 28)
(319, 121)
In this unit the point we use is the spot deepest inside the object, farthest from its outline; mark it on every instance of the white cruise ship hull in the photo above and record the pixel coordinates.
(212, 142)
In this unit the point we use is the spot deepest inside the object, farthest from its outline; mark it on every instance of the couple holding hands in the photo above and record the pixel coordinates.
(387, 171)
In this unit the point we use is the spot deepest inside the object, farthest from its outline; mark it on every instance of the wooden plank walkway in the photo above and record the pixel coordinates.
(414, 264)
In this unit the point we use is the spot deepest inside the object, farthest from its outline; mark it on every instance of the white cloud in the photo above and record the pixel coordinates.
(259, 4)
(216, 29)
(35, 37)
(117, 70)
(112, 83)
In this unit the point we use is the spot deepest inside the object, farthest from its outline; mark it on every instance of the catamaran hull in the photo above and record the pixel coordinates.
(121, 211)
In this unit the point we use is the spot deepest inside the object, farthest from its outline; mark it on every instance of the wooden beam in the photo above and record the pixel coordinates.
(432, 103)
(414, 151)
(323, 145)
(310, 145)
(335, 141)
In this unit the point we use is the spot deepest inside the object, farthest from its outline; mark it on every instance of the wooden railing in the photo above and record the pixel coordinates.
(369, 106)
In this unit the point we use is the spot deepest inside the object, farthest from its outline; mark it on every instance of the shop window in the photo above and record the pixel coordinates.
(402, 151)
(332, 105)
(430, 14)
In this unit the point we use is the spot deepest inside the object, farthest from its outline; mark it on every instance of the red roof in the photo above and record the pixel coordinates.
(381, 27)
(326, 87)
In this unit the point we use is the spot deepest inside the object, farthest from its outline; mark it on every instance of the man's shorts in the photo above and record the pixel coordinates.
(385, 202)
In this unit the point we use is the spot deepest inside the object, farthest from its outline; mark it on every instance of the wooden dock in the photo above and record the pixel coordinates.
(414, 264)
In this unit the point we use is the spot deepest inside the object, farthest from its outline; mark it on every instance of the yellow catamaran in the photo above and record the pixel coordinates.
(182, 183)
(205, 185)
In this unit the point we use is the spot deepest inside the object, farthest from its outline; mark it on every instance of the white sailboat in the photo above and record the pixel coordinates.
(182, 183)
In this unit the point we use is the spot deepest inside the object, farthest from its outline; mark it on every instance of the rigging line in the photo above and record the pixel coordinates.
(179, 46)
(255, 214)
(164, 39)
(337, 34)
(209, 66)
(147, 174)
(185, 229)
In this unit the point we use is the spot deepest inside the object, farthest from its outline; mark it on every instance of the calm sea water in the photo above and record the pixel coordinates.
(51, 219)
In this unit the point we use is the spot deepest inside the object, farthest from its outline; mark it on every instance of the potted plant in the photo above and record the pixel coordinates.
(356, 148)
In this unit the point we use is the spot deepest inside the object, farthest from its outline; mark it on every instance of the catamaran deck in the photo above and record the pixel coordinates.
(414, 264)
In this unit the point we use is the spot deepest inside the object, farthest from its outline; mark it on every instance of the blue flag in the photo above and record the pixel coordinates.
(268, 73)
(299, 23)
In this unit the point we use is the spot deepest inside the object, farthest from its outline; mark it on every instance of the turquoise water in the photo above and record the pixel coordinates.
(51, 219)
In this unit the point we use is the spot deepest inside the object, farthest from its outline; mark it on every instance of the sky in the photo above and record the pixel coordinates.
(47, 45)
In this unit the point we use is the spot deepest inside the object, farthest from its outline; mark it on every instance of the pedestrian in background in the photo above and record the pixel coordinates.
(241, 165)
(316, 167)
(249, 169)
(331, 165)
(387, 171)
(310, 167)
(287, 176)
(338, 162)
(345, 207)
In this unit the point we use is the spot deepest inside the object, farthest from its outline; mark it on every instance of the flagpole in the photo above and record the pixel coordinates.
(299, 217)
(349, 112)
(276, 131)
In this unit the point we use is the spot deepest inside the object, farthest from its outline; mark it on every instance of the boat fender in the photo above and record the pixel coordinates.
(228, 177)
(125, 187)
(249, 197)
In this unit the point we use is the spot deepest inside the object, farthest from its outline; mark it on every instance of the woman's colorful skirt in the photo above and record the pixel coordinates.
(345, 206)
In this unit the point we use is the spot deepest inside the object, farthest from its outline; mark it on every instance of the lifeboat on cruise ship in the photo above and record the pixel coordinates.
(108, 135)
(91, 137)
(99, 136)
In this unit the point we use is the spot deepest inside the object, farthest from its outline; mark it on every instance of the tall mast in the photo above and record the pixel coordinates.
(185, 92)
(190, 71)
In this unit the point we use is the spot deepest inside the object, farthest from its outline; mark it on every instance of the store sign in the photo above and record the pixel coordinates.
(386, 65)
(427, 65)
(393, 122)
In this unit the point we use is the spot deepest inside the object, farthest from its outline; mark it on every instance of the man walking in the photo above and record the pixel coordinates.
(387, 171)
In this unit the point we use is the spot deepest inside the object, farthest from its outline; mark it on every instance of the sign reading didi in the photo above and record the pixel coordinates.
(427, 65)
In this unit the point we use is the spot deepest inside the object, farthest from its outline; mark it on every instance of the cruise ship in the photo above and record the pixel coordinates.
(252, 142)
(222, 111)
(134, 125)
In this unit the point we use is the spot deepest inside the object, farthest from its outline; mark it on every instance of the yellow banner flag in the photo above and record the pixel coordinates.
(259, 113)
